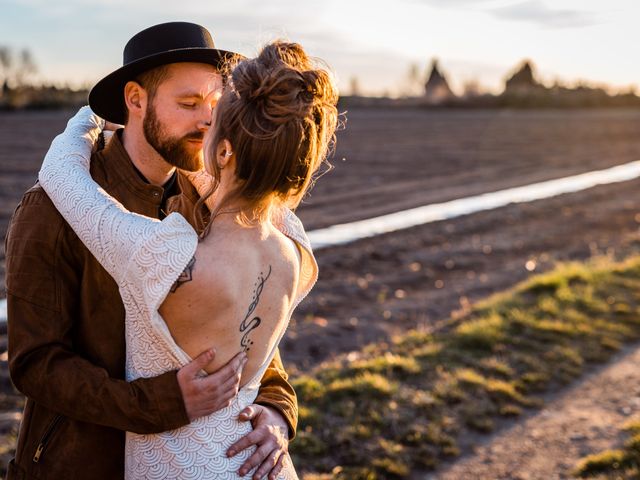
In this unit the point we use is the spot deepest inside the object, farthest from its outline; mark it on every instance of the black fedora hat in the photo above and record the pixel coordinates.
(158, 45)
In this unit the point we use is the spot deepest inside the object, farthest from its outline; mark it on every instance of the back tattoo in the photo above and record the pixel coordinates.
(247, 326)
(185, 276)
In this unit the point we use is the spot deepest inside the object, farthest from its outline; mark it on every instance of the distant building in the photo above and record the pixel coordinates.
(437, 89)
(523, 81)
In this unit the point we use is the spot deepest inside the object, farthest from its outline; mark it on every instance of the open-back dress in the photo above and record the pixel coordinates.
(145, 256)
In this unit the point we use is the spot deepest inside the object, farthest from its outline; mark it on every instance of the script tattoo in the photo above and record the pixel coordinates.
(185, 276)
(248, 325)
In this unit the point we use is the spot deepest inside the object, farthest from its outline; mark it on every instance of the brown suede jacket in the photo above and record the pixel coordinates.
(67, 341)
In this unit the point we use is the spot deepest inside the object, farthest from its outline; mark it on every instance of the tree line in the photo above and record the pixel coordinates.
(18, 68)
(20, 87)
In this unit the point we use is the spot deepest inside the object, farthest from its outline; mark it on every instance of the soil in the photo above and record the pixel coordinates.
(375, 288)
(390, 160)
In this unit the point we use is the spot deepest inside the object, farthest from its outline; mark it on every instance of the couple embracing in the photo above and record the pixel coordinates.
(151, 277)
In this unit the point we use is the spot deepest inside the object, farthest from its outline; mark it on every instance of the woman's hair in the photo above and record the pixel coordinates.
(279, 113)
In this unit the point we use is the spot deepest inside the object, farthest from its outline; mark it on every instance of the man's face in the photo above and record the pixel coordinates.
(178, 115)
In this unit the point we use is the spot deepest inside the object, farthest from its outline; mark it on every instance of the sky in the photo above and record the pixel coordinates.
(594, 41)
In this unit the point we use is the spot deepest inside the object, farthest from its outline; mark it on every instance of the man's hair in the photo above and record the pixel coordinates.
(150, 81)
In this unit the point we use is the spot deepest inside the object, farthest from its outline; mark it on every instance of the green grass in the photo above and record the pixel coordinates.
(399, 406)
(621, 464)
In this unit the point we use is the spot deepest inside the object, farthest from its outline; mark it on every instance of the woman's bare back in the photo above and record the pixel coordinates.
(235, 295)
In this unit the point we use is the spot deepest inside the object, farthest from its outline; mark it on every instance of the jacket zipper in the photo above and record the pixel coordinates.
(45, 438)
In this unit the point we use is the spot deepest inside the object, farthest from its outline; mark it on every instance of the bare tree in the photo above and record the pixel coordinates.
(6, 62)
(354, 85)
(26, 68)
(415, 77)
(472, 89)
(414, 81)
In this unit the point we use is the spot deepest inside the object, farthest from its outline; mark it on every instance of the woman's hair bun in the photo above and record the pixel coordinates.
(279, 112)
(282, 83)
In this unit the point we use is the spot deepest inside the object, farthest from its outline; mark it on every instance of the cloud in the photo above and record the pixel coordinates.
(453, 4)
(536, 11)
(152, 7)
(449, 3)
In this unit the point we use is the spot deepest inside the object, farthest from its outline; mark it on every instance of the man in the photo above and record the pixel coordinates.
(65, 315)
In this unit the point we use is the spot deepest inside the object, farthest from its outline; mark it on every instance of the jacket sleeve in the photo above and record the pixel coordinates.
(43, 281)
(277, 392)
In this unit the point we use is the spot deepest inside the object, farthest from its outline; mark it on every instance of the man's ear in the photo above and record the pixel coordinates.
(224, 153)
(135, 98)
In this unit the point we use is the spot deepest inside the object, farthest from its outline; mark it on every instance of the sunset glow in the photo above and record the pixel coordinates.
(373, 41)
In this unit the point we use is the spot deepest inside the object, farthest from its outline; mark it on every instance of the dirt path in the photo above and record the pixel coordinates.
(585, 418)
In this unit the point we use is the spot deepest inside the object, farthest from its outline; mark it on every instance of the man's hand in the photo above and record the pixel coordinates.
(205, 395)
(270, 434)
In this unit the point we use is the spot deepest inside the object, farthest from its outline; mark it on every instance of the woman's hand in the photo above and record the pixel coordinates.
(111, 127)
(106, 134)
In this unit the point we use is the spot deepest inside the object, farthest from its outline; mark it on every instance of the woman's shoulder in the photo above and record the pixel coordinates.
(284, 248)
(248, 249)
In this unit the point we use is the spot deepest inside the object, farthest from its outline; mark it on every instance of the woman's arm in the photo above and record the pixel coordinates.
(112, 233)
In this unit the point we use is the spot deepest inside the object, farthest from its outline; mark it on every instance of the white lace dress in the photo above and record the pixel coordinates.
(145, 256)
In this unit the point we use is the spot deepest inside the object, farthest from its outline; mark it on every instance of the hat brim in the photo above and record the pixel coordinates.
(106, 97)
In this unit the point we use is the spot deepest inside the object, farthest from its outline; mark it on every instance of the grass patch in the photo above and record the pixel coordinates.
(388, 364)
(622, 464)
(481, 334)
(399, 406)
(364, 385)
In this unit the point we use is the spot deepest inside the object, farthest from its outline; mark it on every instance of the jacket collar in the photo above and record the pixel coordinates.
(122, 170)
(121, 173)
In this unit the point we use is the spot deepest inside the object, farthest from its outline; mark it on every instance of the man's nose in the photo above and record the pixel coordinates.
(204, 120)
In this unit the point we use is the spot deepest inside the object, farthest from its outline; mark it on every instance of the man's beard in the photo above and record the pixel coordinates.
(173, 150)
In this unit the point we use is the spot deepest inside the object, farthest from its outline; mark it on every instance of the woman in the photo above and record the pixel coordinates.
(271, 130)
